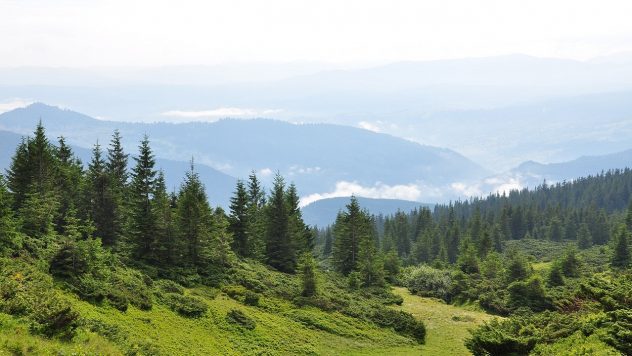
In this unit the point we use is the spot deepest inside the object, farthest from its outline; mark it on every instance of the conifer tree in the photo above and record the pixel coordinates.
(256, 217)
(621, 254)
(165, 241)
(352, 227)
(69, 180)
(142, 227)
(116, 168)
(221, 240)
(300, 235)
(10, 237)
(100, 202)
(238, 220)
(194, 217)
(307, 270)
(280, 251)
(369, 264)
(584, 239)
(556, 276)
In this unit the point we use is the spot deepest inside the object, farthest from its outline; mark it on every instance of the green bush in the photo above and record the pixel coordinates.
(427, 281)
(235, 292)
(401, 322)
(251, 298)
(238, 317)
(134, 285)
(191, 307)
(168, 286)
(27, 292)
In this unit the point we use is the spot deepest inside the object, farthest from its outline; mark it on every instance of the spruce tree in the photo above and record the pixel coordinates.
(99, 197)
(307, 270)
(280, 250)
(621, 254)
(69, 180)
(142, 226)
(194, 218)
(256, 217)
(584, 239)
(10, 237)
(165, 241)
(238, 220)
(352, 227)
(116, 168)
(300, 234)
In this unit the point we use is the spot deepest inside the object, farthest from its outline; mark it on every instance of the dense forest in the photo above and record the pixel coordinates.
(555, 261)
(552, 263)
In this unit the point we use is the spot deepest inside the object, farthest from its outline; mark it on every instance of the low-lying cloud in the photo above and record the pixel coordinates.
(217, 114)
(378, 191)
(12, 104)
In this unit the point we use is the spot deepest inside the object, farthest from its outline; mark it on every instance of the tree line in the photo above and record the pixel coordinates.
(48, 199)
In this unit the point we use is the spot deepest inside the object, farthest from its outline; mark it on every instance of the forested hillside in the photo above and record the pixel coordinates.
(103, 259)
(106, 260)
(555, 261)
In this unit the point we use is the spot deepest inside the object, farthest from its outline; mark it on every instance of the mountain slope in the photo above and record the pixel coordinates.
(315, 157)
(323, 212)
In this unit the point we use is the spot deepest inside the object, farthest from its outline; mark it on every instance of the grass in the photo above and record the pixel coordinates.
(447, 325)
(281, 329)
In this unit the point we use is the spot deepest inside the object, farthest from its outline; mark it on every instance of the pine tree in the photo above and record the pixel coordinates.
(468, 260)
(165, 241)
(256, 217)
(327, 248)
(280, 250)
(69, 180)
(238, 220)
(621, 254)
(307, 270)
(369, 264)
(10, 237)
(556, 276)
(352, 227)
(99, 198)
(300, 234)
(116, 168)
(584, 239)
(571, 263)
(221, 241)
(19, 174)
(555, 230)
(194, 218)
(142, 227)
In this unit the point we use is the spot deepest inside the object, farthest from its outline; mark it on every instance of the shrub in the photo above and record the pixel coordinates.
(530, 294)
(427, 281)
(133, 285)
(401, 322)
(251, 298)
(184, 305)
(168, 286)
(235, 292)
(238, 317)
(118, 300)
(25, 291)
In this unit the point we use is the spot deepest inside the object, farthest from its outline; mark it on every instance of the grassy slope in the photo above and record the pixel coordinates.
(281, 329)
(447, 325)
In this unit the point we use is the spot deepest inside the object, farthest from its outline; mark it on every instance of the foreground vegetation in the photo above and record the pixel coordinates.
(102, 260)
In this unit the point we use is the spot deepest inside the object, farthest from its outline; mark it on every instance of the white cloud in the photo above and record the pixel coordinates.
(265, 172)
(368, 126)
(219, 113)
(294, 170)
(378, 191)
(12, 104)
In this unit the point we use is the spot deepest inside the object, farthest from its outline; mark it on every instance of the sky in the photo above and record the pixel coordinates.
(146, 33)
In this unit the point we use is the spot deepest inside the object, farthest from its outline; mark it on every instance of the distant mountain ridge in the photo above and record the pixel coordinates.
(314, 156)
(323, 212)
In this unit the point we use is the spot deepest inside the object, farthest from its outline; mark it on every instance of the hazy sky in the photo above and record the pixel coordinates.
(152, 32)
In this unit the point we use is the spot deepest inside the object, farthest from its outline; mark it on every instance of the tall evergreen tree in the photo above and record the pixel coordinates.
(116, 168)
(10, 237)
(100, 201)
(165, 240)
(621, 255)
(194, 219)
(142, 226)
(280, 251)
(352, 227)
(238, 220)
(256, 217)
